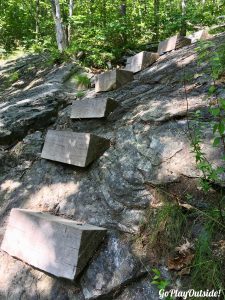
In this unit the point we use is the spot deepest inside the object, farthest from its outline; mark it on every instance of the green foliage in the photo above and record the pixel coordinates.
(80, 94)
(215, 59)
(13, 77)
(166, 226)
(17, 23)
(208, 265)
(82, 81)
(57, 57)
(98, 28)
(207, 268)
(160, 282)
(209, 173)
(101, 45)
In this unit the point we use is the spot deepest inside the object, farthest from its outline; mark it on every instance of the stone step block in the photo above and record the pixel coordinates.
(112, 80)
(73, 148)
(141, 61)
(172, 43)
(199, 35)
(167, 45)
(92, 108)
(50, 243)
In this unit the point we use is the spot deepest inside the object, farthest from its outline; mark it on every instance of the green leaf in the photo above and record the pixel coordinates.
(163, 284)
(211, 90)
(221, 128)
(222, 103)
(216, 141)
(220, 170)
(156, 271)
(215, 128)
(215, 111)
(155, 282)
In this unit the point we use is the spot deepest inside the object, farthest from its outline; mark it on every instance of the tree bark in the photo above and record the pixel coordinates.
(183, 29)
(60, 33)
(123, 8)
(156, 20)
(37, 20)
(71, 6)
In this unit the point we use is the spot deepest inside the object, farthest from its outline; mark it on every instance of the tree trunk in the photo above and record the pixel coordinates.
(156, 20)
(60, 33)
(183, 29)
(123, 8)
(123, 13)
(71, 6)
(37, 20)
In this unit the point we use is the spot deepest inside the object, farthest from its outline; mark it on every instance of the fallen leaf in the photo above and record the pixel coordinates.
(180, 262)
(185, 205)
(175, 263)
(185, 248)
(219, 248)
(184, 271)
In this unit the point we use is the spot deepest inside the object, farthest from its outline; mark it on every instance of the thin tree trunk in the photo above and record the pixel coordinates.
(123, 8)
(71, 6)
(183, 29)
(123, 13)
(37, 20)
(60, 34)
(156, 20)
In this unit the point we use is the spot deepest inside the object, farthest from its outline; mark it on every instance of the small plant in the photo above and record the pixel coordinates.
(80, 94)
(209, 173)
(57, 57)
(82, 81)
(13, 77)
(166, 227)
(2, 53)
(160, 282)
(207, 268)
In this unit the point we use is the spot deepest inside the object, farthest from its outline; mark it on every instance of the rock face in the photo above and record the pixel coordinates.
(142, 290)
(112, 269)
(34, 107)
(149, 147)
